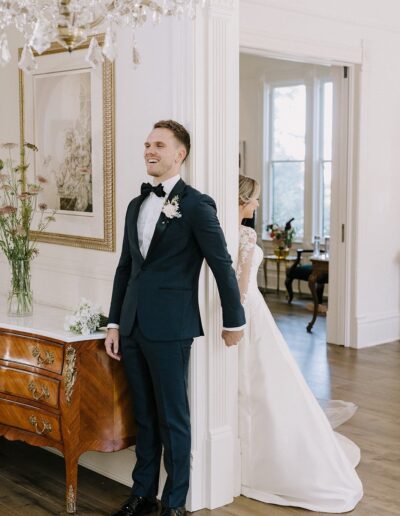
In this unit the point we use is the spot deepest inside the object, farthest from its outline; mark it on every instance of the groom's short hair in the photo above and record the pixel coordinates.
(180, 133)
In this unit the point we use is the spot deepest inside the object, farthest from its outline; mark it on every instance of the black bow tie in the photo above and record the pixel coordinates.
(146, 188)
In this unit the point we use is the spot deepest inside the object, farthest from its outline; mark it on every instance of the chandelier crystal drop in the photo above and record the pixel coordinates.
(71, 22)
(27, 61)
(94, 54)
(5, 55)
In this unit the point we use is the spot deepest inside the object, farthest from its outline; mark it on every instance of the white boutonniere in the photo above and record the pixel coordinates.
(171, 208)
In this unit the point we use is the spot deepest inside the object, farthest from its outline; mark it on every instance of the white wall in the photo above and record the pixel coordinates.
(368, 33)
(142, 97)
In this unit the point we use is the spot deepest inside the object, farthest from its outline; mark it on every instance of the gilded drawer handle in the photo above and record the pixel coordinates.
(36, 393)
(48, 358)
(47, 428)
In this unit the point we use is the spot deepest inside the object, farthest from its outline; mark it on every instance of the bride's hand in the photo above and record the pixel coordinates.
(231, 338)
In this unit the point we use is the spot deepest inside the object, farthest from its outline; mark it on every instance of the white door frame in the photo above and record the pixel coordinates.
(205, 70)
(341, 324)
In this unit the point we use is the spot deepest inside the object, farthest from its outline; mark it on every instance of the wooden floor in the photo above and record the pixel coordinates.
(32, 480)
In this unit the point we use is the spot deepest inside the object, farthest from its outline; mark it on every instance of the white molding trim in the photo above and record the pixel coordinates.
(373, 330)
(288, 7)
(206, 100)
(308, 50)
(222, 137)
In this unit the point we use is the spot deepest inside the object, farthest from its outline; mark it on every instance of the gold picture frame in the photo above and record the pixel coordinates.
(98, 226)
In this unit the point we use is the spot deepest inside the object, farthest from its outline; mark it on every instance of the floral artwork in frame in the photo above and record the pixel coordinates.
(67, 111)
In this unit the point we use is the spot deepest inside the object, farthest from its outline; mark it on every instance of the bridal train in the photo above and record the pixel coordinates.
(290, 454)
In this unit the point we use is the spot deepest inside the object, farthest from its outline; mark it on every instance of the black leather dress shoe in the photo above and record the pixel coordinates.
(137, 506)
(177, 511)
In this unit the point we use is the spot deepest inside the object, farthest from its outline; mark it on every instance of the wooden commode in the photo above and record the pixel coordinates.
(61, 391)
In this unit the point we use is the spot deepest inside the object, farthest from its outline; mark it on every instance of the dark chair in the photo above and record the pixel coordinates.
(302, 272)
(251, 223)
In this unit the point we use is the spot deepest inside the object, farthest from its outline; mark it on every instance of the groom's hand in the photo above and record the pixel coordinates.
(231, 338)
(112, 344)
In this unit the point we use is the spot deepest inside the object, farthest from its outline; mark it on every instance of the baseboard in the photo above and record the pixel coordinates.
(196, 495)
(117, 465)
(221, 462)
(374, 330)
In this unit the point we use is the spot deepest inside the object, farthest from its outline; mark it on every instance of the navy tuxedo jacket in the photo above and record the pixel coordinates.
(161, 291)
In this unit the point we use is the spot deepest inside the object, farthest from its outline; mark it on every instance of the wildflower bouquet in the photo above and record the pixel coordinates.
(18, 204)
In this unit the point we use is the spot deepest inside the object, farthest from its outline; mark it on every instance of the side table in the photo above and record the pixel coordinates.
(274, 258)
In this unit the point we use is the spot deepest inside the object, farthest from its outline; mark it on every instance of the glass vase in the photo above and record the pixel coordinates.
(281, 254)
(20, 298)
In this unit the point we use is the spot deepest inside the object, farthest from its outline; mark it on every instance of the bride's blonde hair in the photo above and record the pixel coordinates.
(248, 189)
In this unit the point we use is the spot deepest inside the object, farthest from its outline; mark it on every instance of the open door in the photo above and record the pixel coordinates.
(340, 283)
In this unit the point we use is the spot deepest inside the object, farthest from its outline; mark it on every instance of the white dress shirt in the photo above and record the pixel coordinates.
(149, 214)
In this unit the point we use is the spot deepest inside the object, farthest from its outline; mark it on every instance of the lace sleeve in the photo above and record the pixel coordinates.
(247, 243)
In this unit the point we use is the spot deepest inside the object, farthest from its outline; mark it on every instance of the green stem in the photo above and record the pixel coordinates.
(22, 163)
(20, 296)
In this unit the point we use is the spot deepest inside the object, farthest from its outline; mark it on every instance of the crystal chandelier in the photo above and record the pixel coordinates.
(71, 22)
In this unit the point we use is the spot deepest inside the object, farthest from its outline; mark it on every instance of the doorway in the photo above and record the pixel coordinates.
(294, 120)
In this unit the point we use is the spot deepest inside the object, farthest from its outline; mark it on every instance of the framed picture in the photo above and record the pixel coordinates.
(242, 157)
(67, 111)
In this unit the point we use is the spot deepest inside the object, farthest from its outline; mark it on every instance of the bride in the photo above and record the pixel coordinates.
(290, 454)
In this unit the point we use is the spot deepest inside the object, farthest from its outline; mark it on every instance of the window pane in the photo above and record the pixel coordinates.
(326, 199)
(328, 108)
(289, 123)
(288, 195)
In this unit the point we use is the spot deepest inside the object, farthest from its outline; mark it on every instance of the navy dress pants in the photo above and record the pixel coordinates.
(157, 373)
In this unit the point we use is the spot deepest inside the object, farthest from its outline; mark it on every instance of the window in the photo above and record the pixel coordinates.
(326, 157)
(288, 154)
(298, 128)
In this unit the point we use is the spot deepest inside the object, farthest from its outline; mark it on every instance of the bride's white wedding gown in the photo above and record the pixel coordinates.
(290, 454)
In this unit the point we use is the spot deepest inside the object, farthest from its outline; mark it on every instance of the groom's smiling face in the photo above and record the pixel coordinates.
(163, 154)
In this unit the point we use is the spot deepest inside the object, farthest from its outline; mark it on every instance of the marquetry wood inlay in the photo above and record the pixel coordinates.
(31, 386)
(72, 397)
(31, 419)
(46, 355)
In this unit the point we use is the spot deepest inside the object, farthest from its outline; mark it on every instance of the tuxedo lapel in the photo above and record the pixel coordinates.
(163, 221)
(135, 216)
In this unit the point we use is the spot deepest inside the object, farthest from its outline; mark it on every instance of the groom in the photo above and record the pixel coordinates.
(154, 314)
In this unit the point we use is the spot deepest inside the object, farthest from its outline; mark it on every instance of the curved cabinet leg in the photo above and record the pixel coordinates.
(71, 481)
